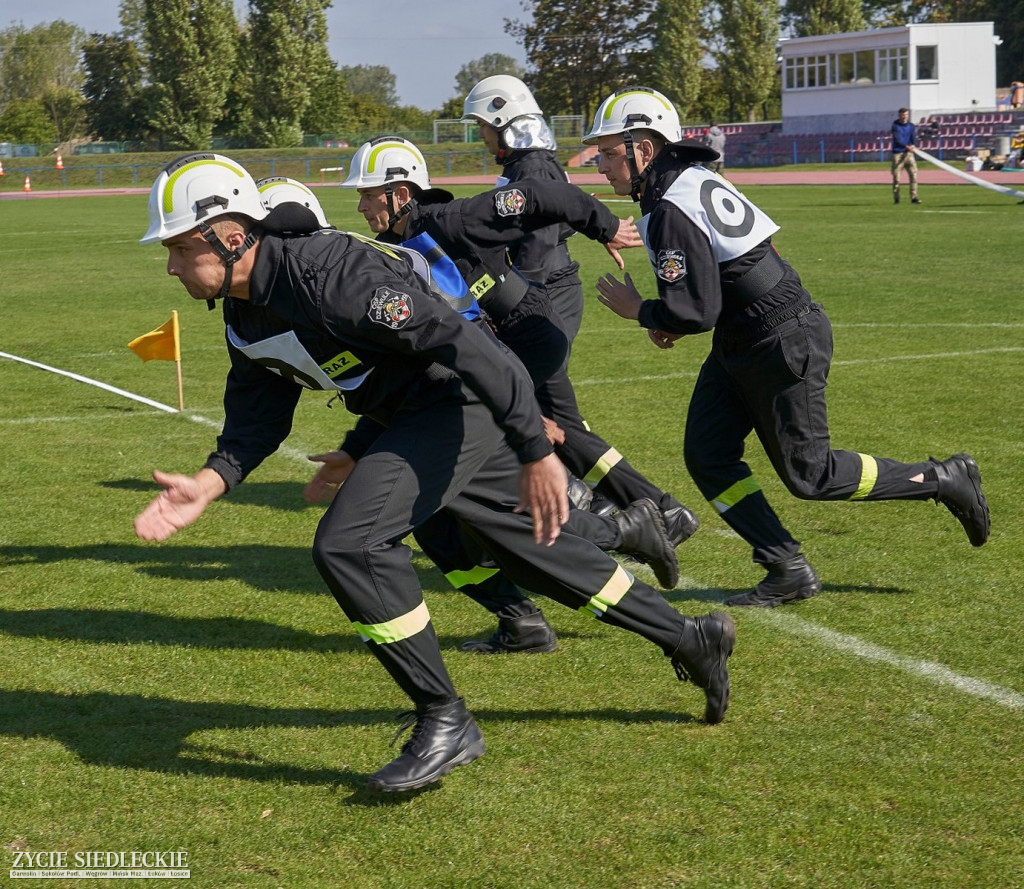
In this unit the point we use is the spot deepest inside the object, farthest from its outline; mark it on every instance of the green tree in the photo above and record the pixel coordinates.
(808, 17)
(113, 89)
(287, 46)
(43, 66)
(473, 72)
(330, 105)
(26, 121)
(192, 46)
(576, 57)
(677, 52)
(749, 34)
(374, 82)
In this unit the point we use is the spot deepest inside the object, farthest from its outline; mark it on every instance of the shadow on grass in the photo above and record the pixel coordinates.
(152, 734)
(261, 566)
(279, 495)
(717, 595)
(121, 627)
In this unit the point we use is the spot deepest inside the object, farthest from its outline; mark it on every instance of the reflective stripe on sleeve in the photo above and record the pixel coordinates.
(408, 624)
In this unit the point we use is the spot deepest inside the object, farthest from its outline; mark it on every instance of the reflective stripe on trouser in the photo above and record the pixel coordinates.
(775, 386)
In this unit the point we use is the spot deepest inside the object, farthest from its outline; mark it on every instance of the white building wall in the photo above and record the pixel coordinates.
(965, 78)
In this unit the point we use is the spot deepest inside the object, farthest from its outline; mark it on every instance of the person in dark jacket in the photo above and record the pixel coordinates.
(399, 205)
(904, 144)
(448, 421)
(716, 269)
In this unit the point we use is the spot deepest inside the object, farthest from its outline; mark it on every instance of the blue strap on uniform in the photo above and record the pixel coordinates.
(446, 280)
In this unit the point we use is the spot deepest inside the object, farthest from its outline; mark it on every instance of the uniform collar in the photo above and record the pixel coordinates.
(265, 269)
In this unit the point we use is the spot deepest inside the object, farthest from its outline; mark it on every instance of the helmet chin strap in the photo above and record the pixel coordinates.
(395, 214)
(636, 180)
(230, 257)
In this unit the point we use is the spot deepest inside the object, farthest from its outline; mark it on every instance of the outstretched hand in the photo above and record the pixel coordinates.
(543, 493)
(182, 501)
(621, 297)
(626, 236)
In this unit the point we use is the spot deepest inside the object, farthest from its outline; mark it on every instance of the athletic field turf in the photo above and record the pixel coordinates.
(205, 696)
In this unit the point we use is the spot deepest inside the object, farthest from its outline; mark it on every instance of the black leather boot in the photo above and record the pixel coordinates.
(787, 581)
(644, 537)
(443, 737)
(701, 658)
(960, 492)
(680, 524)
(523, 634)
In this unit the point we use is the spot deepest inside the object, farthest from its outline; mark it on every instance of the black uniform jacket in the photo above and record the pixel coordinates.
(358, 308)
(476, 232)
(541, 255)
(700, 299)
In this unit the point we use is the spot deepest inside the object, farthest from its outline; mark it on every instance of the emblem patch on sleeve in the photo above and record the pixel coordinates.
(390, 308)
(510, 203)
(671, 265)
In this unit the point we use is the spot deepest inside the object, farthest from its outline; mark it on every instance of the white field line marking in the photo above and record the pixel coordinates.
(97, 383)
(937, 673)
(933, 672)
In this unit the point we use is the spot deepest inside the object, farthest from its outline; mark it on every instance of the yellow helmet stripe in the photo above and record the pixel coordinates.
(372, 160)
(616, 99)
(168, 201)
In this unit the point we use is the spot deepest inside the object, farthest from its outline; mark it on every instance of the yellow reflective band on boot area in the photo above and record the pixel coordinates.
(409, 624)
(868, 477)
(459, 579)
(735, 493)
(611, 593)
(609, 459)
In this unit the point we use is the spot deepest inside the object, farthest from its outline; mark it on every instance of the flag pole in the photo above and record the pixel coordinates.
(177, 358)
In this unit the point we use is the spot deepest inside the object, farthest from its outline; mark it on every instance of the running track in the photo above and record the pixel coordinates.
(879, 177)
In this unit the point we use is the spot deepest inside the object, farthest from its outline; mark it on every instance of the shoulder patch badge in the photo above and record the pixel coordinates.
(390, 308)
(671, 265)
(510, 203)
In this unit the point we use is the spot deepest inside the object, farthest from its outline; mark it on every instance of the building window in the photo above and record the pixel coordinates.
(927, 68)
(854, 67)
(892, 64)
(806, 72)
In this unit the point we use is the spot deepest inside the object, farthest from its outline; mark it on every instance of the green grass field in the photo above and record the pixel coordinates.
(206, 695)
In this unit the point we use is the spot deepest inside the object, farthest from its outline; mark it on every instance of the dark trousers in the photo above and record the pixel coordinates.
(772, 382)
(540, 343)
(452, 456)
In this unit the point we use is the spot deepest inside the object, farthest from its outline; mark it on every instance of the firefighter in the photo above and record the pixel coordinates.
(447, 421)
(716, 269)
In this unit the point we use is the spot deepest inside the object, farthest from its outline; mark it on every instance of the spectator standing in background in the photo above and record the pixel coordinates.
(715, 140)
(904, 144)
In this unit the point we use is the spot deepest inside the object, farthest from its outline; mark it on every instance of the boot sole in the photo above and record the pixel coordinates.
(980, 536)
(726, 644)
(465, 757)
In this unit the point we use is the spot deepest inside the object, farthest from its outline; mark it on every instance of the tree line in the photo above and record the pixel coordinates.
(181, 73)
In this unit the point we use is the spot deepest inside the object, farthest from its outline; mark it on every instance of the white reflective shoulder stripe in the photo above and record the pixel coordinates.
(287, 357)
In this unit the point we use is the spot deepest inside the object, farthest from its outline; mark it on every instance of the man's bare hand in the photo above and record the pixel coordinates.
(627, 236)
(621, 297)
(543, 493)
(336, 467)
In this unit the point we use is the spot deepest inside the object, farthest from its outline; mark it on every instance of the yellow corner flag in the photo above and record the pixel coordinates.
(162, 344)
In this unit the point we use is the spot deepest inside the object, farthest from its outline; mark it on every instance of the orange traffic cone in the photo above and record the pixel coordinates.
(60, 162)
(1, 168)
(28, 184)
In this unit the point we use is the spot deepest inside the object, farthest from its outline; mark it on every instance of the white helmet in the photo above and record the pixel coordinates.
(499, 100)
(276, 190)
(386, 160)
(635, 108)
(198, 188)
